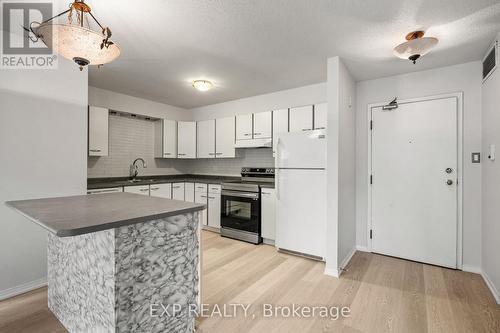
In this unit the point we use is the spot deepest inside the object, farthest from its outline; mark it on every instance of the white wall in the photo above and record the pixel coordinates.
(347, 166)
(464, 78)
(125, 103)
(43, 149)
(490, 183)
(341, 207)
(312, 94)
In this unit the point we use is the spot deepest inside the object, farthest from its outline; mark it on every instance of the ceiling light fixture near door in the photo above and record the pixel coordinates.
(76, 40)
(415, 47)
(202, 85)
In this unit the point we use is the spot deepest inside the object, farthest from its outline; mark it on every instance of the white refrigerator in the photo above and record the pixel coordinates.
(301, 193)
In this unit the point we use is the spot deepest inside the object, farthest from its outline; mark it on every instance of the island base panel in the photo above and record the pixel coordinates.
(107, 281)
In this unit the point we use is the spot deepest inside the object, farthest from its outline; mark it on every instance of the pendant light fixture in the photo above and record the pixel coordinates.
(77, 41)
(415, 47)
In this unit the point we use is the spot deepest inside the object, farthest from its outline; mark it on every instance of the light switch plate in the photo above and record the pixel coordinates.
(476, 157)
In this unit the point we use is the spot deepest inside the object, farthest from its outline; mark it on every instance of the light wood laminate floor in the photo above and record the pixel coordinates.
(384, 294)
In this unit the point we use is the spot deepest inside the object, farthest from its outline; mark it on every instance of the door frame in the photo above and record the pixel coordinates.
(460, 158)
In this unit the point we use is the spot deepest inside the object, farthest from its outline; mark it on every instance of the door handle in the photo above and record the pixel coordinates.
(449, 182)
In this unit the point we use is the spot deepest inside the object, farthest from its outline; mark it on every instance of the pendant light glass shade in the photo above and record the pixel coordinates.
(415, 47)
(77, 43)
(75, 39)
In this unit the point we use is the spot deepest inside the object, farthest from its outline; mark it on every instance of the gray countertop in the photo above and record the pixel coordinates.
(82, 214)
(98, 183)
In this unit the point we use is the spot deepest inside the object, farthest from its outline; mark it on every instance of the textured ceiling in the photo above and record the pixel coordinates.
(250, 47)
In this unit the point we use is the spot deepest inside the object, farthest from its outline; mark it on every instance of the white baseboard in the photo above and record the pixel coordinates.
(337, 272)
(471, 269)
(22, 288)
(362, 248)
(492, 287)
(346, 260)
(332, 272)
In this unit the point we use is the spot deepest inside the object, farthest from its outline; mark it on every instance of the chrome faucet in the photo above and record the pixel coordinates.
(134, 168)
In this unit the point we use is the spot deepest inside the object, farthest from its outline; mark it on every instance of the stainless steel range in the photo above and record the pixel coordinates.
(241, 215)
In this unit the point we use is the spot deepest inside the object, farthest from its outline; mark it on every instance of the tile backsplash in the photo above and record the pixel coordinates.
(130, 138)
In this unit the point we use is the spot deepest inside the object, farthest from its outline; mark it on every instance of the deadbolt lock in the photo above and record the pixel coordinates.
(449, 182)
(449, 170)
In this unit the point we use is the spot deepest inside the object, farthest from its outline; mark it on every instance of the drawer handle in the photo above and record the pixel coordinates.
(247, 134)
(320, 127)
(257, 134)
(95, 150)
(143, 189)
(307, 129)
(181, 154)
(152, 189)
(167, 154)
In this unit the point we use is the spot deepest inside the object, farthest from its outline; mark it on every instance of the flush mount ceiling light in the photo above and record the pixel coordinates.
(415, 47)
(76, 40)
(202, 85)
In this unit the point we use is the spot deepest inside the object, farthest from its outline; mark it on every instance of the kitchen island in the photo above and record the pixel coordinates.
(112, 258)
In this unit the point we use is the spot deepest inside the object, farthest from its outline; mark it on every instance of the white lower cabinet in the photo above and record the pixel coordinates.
(137, 189)
(214, 202)
(161, 191)
(201, 196)
(268, 211)
(178, 191)
(189, 192)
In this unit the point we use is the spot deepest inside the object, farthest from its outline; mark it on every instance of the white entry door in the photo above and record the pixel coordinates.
(414, 195)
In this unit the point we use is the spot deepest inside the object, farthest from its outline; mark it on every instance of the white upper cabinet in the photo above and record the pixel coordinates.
(262, 124)
(244, 127)
(224, 138)
(166, 138)
(98, 131)
(280, 124)
(186, 139)
(206, 139)
(320, 116)
(301, 118)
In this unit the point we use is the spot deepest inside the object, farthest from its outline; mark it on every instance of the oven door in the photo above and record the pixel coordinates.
(240, 211)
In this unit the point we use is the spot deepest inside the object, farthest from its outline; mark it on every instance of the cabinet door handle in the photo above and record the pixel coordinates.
(307, 129)
(257, 134)
(203, 196)
(95, 150)
(179, 154)
(153, 189)
(212, 154)
(144, 189)
(211, 197)
(166, 154)
(320, 127)
(247, 134)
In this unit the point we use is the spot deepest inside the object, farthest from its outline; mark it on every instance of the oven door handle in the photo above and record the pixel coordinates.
(240, 194)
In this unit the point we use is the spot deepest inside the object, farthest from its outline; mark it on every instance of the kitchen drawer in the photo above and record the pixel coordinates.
(214, 188)
(138, 189)
(105, 190)
(200, 187)
(161, 191)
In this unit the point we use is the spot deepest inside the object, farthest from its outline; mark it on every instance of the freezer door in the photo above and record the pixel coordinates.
(301, 150)
(301, 211)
